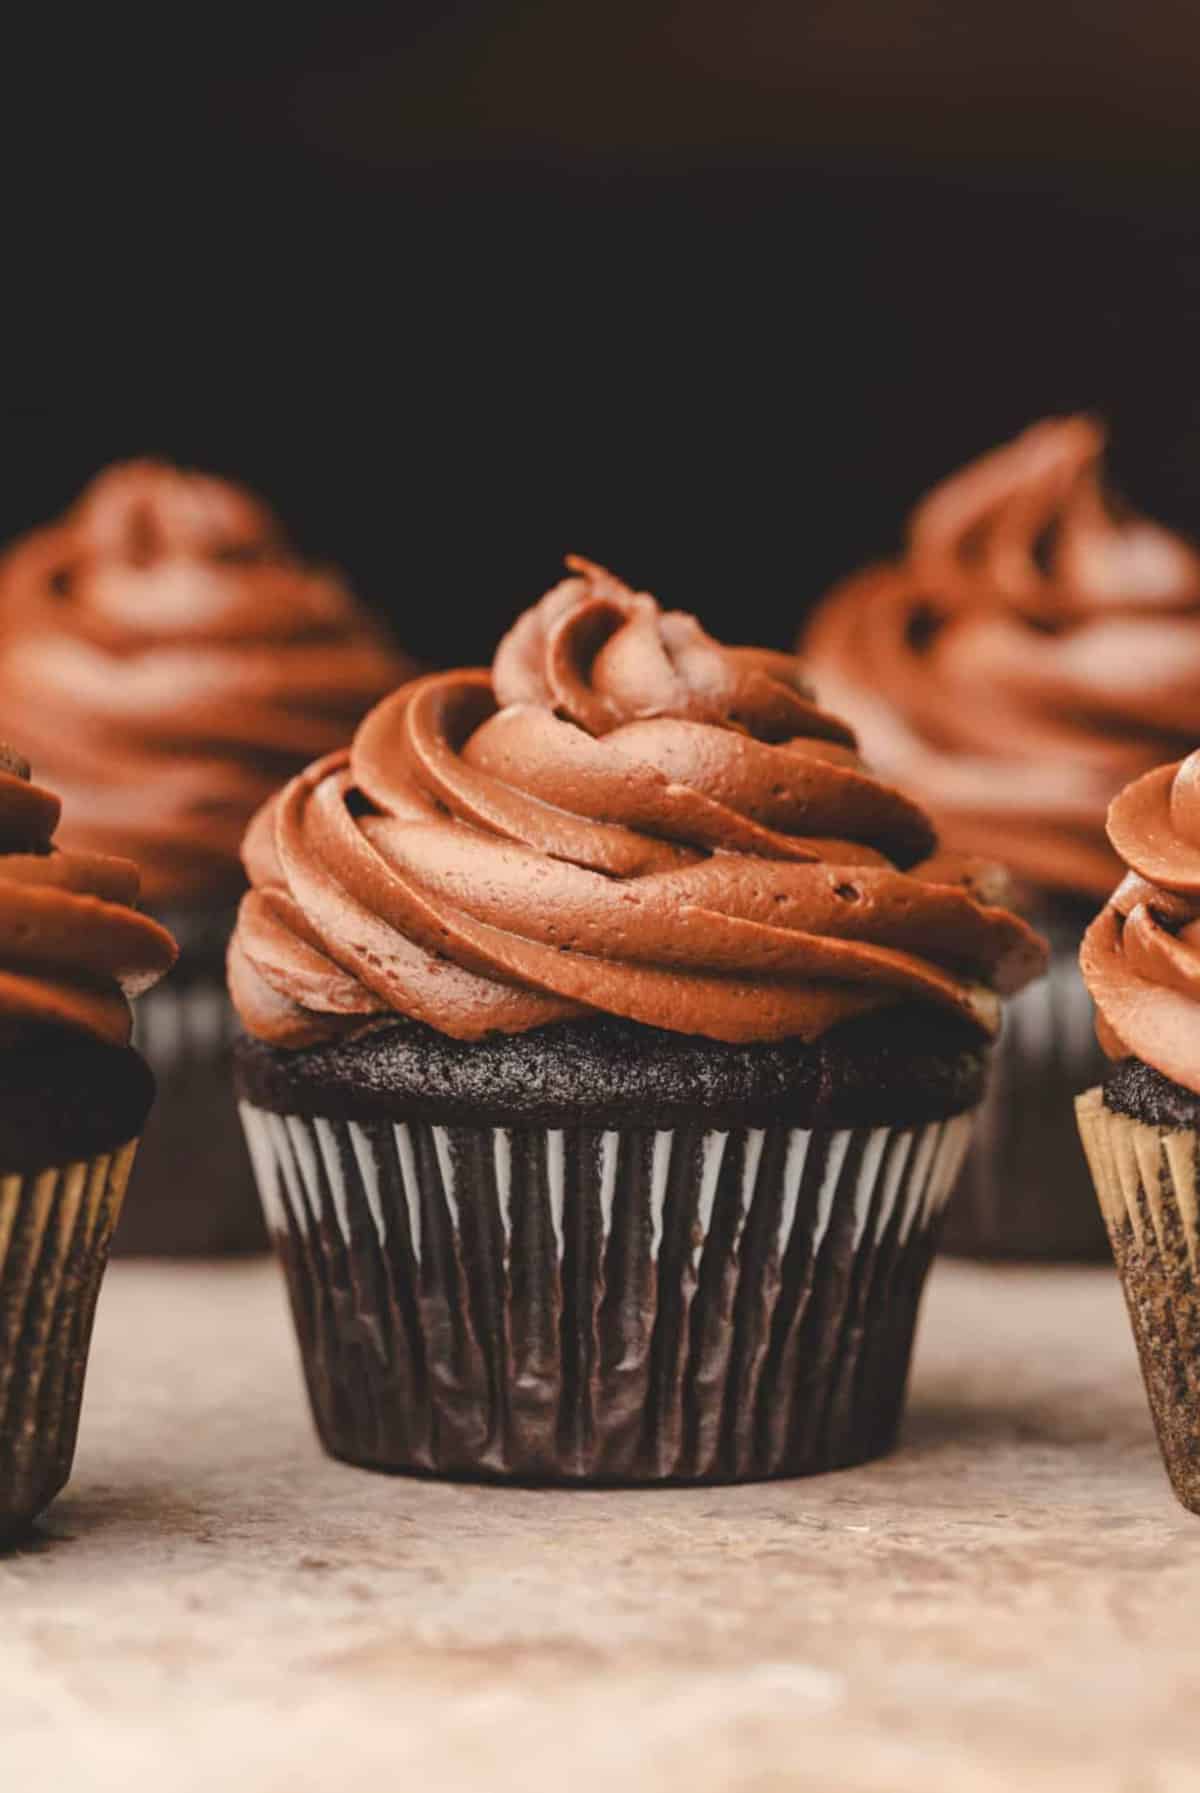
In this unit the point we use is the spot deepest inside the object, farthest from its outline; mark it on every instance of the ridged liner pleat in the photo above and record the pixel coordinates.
(193, 1191)
(603, 1305)
(1146, 1182)
(1024, 1191)
(55, 1230)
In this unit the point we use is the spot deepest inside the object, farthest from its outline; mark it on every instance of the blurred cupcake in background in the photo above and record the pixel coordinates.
(73, 1099)
(1035, 647)
(1141, 1127)
(613, 1042)
(168, 659)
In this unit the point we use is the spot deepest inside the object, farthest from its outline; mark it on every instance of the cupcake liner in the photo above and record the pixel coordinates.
(588, 1304)
(192, 1192)
(55, 1229)
(1024, 1192)
(1146, 1182)
(175, 1027)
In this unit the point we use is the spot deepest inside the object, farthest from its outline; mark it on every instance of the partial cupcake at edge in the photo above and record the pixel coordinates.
(167, 659)
(1141, 962)
(612, 1040)
(1035, 647)
(73, 1099)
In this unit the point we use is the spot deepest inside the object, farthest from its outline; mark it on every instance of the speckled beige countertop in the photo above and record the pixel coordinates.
(1011, 1603)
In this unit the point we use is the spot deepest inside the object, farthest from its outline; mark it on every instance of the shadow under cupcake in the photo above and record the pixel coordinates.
(612, 1047)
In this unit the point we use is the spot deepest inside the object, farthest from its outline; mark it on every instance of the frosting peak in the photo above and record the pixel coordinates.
(1141, 956)
(624, 816)
(1032, 525)
(146, 510)
(73, 948)
(169, 659)
(602, 655)
(1036, 647)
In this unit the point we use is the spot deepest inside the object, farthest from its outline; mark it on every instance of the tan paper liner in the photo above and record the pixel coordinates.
(55, 1230)
(602, 1305)
(1146, 1182)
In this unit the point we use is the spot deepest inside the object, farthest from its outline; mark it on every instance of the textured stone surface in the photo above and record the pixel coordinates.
(1009, 1602)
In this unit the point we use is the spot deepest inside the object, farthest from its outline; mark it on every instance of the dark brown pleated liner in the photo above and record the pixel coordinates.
(1146, 1178)
(600, 1305)
(1025, 1190)
(192, 1193)
(55, 1230)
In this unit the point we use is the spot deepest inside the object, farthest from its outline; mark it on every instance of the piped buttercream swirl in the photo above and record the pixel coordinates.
(167, 660)
(73, 947)
(1035, 648)
(1141, 956)
(622, 817)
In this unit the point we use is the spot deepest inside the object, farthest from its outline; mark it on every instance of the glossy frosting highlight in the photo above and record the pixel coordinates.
(1141, 956)
(73, 947)
(168, 661)
(623, 817)
(1036, 647)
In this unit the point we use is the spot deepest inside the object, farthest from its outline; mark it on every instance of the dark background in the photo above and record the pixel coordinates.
(708, 291)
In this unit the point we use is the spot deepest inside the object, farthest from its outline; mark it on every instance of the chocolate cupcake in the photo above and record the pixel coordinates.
(1036, 646)
(73, 1098)
(613, 1044)
(1141, 962)
(168, 660)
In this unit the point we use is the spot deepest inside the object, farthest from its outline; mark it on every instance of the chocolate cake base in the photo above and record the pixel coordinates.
(192, 1191)
(598, 1253)
(904, 1065)
(1144, 1094)
(69, 1100)
(1141, 1134)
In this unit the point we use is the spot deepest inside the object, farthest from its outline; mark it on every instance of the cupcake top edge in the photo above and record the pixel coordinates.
(74, 948)
(1034, 647)
(1141, 956)
(167, 658)
(623, 817)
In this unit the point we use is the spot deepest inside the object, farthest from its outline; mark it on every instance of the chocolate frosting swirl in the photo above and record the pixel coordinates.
(1141, 955)
(168, 660)
(1035, 648)
(73, 948)
(623, 817)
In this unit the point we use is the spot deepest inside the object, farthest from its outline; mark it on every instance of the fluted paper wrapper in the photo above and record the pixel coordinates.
(192, 1193)
(55, 1230)
(598, 1305)
(1024, 1191)
(1146, 1181)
